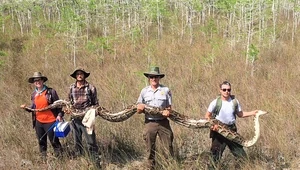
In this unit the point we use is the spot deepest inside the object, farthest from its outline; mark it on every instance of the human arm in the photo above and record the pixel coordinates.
(140, 103)
(140, 107)
(242, 114)
(166, 112)
(57, 111)
(211, 109)
(94, 98)
(23, 106)
(32, 106)
(208, 115)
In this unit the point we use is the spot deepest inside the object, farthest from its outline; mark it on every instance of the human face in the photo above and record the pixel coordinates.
(154, 80)
(79, 76)
(38, 82)
(225, 90)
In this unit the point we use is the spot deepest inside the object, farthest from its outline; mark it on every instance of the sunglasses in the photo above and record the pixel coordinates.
(224, 90)
(79, 73)
(153, 77)
(36, 80)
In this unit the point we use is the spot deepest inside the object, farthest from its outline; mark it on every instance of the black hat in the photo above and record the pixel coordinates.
(86, 74)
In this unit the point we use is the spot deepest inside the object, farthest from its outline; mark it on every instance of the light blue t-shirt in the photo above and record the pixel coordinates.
(161, 98)
(226, 114)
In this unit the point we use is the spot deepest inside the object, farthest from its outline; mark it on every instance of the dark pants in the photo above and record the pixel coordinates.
(43, 128)
(78, 130)
(163, 129)
(219, 144)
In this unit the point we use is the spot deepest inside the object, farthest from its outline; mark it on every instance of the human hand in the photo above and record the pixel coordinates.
(140, 108)
(66, 110)
(254, 112)
(59, 118)
(214, 127)
(166, 113)
(23, 106)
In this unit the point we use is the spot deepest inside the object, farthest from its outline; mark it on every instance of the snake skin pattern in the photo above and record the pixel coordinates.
(174, 116)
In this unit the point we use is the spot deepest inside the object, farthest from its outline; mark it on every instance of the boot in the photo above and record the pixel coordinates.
(43, 157)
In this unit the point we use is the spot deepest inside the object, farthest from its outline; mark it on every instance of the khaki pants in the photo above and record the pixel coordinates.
(163, 129)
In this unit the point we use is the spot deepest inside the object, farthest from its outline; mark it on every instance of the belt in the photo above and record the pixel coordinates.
(154, 120)
(231, 127)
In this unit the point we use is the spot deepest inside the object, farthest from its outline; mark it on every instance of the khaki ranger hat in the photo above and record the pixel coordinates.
(37, 75)
(154, 71)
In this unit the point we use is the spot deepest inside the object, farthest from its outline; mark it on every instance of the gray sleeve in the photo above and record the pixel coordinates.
(169, 97)
(141, 98)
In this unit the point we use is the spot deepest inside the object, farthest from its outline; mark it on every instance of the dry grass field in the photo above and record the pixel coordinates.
(193, 72)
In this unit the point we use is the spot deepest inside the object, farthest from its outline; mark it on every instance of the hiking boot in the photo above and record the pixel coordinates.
(43, 157)
(95, 158)
(58, 154)
(78, 153)
(98, 165)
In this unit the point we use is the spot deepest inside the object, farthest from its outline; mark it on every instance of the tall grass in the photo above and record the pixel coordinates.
(194, 63)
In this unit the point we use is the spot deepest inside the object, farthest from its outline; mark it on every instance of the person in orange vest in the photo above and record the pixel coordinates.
(43, 122)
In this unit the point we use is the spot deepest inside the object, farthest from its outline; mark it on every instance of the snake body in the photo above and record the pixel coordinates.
(100, 111)
(174, 116)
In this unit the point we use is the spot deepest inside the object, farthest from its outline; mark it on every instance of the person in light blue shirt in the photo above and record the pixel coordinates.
(156, 95)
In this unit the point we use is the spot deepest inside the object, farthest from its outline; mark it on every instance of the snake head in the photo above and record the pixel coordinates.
(260, 112)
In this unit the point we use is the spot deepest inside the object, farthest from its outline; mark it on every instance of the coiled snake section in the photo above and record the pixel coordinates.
(174, 116)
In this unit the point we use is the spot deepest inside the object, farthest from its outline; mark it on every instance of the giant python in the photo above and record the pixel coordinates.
(174, 116)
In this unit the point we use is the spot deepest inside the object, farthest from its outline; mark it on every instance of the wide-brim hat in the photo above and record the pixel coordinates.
(37, 75)
(86, 74)
(154, 71)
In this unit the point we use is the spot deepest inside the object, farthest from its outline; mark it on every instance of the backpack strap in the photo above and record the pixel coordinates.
(217, 109)
(88, 93)
(71, 93)
(235, 105)
(49, 95)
